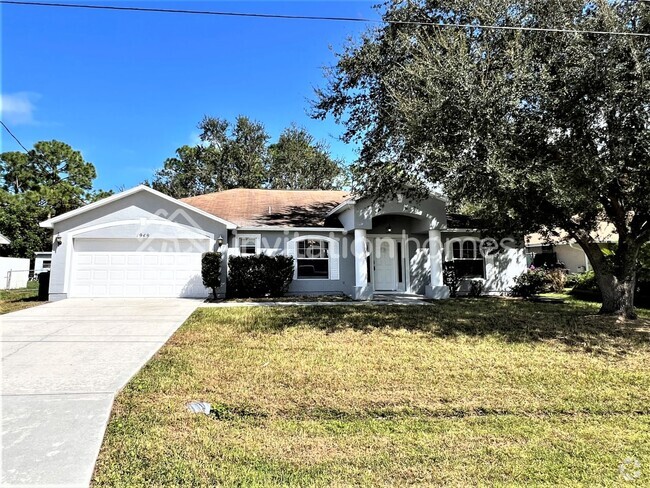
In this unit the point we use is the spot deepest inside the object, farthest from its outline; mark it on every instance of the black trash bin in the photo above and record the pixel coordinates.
(44, 286)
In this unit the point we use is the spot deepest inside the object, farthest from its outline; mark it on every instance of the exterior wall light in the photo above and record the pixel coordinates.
(220, 241)
(59, 240)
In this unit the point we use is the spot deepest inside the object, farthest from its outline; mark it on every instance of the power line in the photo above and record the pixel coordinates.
(324, 18)
(12, 135)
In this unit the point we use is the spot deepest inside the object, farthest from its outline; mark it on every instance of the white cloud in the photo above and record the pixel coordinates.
(18, 108)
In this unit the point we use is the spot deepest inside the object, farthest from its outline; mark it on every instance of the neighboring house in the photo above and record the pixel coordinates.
(142, 243)
(14, 272)
(42, 262)
(564, 250)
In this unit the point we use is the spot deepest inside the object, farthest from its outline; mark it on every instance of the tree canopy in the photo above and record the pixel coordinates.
(534, 130)
(297, 161)
(48, 180)
(238, 156)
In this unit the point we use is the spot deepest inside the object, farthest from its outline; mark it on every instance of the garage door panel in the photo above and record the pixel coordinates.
(136, 274)
(118, 259)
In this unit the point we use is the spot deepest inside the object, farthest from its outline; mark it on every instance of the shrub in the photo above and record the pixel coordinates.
(529, 283)
(586, 282)
(450, 278)
(476, 288)
(259, 276)
(211, 271)
(572, 279)
(555, 280)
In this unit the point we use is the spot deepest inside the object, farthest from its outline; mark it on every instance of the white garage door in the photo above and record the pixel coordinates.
(136, 274)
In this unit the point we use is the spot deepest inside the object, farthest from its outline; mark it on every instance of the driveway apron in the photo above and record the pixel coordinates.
(62, 365)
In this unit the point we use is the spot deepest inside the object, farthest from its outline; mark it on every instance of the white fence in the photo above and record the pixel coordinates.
(14, 273)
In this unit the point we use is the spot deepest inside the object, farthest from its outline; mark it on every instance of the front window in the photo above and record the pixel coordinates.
(247, 245)
(313, 259)
(468, 260)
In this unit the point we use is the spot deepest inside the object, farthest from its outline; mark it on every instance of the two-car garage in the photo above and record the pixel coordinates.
(137, 244)
(137, 272)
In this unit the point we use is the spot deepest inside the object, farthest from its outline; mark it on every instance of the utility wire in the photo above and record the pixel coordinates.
(12, 135)
(323, 18)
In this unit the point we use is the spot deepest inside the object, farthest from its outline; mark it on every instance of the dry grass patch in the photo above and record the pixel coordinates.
(461, 392)
(14, 300)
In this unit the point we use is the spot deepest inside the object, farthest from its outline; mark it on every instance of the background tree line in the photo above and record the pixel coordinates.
(238, 155)
(50, 179)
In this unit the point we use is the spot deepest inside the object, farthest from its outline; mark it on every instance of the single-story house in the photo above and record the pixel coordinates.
(142, 243)
(563, 250)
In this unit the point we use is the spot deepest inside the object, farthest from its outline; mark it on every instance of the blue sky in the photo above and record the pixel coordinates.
(127, 88)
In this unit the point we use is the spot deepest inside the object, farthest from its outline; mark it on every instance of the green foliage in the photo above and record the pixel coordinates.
(476, 288)
(186, 174)
(49, 180)
(211, 271)
(450, 278)
(297, 162)
(238, 156)
(586, 281)
(532, 130)
(259, 276)
(556, 280)
(539, 280)
(229, 156)
(531, 282)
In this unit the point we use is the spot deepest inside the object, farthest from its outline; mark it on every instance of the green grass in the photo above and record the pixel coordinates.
(459, 393)
(19, 299)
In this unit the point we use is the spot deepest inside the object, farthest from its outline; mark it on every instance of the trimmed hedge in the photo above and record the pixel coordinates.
(259, 276)
(211, 271)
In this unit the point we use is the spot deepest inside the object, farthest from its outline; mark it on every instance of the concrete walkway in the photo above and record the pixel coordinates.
(383, 299)
(62, 364)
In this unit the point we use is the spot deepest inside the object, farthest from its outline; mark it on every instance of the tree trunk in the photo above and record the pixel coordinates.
(618, 295)
(615, 275)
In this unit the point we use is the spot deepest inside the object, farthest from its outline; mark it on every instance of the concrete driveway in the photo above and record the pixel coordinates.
(62, 364)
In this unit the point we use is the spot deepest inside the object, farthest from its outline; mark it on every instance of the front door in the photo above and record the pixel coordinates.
(385, 265)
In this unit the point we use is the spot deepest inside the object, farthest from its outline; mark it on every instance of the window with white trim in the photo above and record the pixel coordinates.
(312, 259)
(315, 257)
(468, 259)
(248, 245)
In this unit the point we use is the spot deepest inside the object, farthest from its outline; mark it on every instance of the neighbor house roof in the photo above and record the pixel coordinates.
(604, 233)
(4, 240)
(262, 208)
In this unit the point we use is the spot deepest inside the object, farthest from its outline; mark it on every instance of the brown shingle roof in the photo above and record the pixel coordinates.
(291, 208)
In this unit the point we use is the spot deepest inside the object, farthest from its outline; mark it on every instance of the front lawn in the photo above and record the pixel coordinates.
(14, 300)
(464, 392)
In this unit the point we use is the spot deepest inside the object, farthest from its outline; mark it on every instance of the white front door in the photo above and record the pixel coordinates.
(385, 265)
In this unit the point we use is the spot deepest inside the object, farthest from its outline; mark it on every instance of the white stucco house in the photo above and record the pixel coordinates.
(562, 249)
(142, 243)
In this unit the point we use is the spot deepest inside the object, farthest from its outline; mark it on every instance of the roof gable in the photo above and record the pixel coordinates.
(118, 196)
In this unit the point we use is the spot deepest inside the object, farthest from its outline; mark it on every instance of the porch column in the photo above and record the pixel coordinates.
(362, 289)
(436, 289)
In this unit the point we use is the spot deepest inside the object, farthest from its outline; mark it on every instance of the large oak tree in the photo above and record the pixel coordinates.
(533, 129)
